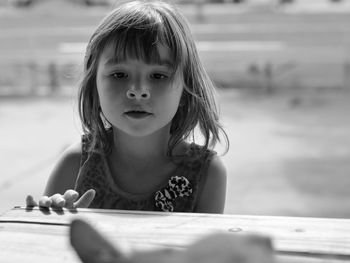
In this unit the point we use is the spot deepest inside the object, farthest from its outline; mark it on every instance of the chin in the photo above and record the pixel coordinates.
(142, 131)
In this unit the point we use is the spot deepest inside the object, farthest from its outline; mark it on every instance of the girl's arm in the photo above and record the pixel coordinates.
(59, 188)
(212, 199)
(65, 172)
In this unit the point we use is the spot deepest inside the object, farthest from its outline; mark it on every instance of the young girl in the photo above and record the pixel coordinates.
(143, 94)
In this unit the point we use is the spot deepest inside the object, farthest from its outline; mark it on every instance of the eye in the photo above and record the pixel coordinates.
(120, 75)
(159, 76)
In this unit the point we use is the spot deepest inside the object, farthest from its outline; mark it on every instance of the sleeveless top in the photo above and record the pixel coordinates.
(180, 194)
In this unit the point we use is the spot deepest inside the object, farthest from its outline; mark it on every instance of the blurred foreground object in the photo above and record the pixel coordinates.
(92, 247)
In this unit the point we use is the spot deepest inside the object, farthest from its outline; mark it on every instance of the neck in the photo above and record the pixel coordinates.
(138, 150)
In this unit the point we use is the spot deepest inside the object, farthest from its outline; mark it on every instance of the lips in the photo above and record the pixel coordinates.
(137, 114)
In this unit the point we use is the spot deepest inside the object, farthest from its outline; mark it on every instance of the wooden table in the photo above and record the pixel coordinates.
(38, 235)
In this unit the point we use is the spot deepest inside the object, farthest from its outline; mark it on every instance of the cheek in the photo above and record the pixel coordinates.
(110, 102)
(108, 91)
(169, 92)
(177, 93)
(172, 100)
(177, 90)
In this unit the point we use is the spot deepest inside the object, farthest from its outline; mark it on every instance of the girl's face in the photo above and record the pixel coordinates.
(138, 98)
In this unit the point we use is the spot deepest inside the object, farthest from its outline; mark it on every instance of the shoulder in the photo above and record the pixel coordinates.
(72, 154)
(216, 168)
(65, 171)
(213, 194)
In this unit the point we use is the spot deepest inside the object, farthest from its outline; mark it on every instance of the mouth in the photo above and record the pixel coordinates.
(137, 114)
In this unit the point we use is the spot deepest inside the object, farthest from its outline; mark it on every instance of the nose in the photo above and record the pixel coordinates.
(138, 93)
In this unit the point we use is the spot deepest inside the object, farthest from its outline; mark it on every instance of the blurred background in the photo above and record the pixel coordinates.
(282, 69)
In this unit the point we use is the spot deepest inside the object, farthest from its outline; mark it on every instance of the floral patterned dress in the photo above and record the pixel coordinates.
(180, 194)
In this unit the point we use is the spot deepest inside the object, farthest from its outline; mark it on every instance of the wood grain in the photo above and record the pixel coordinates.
(37, 235)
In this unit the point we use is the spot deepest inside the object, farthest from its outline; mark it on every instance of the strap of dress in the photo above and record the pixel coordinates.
(207, 157)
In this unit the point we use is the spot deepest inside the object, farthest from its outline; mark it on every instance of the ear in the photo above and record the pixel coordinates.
(90, 246)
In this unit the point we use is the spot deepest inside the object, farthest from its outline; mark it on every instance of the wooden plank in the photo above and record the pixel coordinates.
(35, 243)
(295, 239)
(291, 234)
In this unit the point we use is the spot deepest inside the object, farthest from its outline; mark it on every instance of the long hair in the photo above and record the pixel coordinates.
(135, 28)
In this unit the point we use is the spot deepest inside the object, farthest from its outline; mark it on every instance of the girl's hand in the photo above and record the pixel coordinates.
(68, 200)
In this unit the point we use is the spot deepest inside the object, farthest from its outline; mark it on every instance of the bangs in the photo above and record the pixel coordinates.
(143, 44)
(136, 44)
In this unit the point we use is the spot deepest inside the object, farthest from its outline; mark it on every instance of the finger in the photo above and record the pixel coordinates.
(86, 241)
(85, 200)
(45, 201)
(30, 202)
(58, 200)
(70, 196)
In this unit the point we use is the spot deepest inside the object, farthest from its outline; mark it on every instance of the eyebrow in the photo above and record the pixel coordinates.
(164, 62)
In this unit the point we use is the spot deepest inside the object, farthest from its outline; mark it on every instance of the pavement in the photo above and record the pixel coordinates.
(288, 156)
(34, 132)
